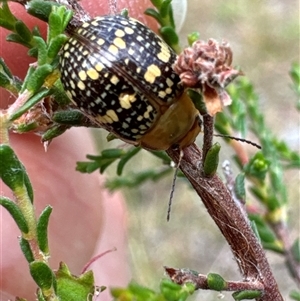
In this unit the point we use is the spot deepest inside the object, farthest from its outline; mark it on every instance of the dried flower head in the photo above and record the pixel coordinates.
(207, 66)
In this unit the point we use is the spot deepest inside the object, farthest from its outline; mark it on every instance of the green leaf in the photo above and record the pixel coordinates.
(42, 229)
(13, 37)
(41, 47)
(55, 25)
(154, 14)
(55, 45)
(113, 153)
(54, 132)
(30, 103)
(72, 288)
(25, 247)
(136, 179)
(211, 160)
(295, 295)
(266, 234)
(7, 19)
(42, 275)
(15, 212)
(296, 250)
(239, 186)
(157, 3)
(131, 153)
(198, 101)
(23, 31)
(216, 282)
(170, 36)
(258, 166)
(243, 295)
(38, 77)
(4, 69)
(12, 172)
(193, 37)
(165, 9)
(40, 9)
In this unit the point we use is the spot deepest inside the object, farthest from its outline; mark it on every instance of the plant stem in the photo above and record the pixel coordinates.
(234, 226)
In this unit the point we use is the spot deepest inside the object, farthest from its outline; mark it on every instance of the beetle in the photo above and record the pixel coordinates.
(119, 73)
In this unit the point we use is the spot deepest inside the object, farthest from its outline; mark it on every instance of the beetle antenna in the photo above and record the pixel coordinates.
(239, 139)
(173, 185)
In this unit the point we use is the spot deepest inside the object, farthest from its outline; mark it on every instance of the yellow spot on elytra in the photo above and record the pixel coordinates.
(114, 79)
(130, 51)
(168, 90)
(128, 30)
(69, 94)
(126, 100)
(93, 74)
(120, 43)
(152, 72)
(81, 85)
(169, 82)
(162, 94)
(112, 114)
(113, 49)
(146, 114)
(103, 119)
(164, 54)
(100, 42)
(72, 84)
(95, 23)
(82, 75)
(85, 25)
(67, 54)
(99, 66)
(119, 33)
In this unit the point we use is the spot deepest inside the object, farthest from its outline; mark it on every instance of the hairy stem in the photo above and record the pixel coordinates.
(231, 221)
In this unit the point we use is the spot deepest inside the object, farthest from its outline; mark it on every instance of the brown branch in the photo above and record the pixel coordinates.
(181, 276)
(233, 224)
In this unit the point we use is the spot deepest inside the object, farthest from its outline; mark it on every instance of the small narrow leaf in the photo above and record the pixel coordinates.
(55, 26)
(7, 19)
(54, 132)
(42, 229)
(239, 186)
(154, 14)
(38, 77)
(40, 9)
(126, 158)
(30, 103)
(23, 31)
(113, 153)
(42, 50)
(165, 8)
(41, 274)
(12, 171)
(216, 282)
(25, 247)
(170, 36)
(246, 295)
(13, 37)
(211, 161)
(55, 45)
(193, 37)
(15, 212)
(4, 69)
